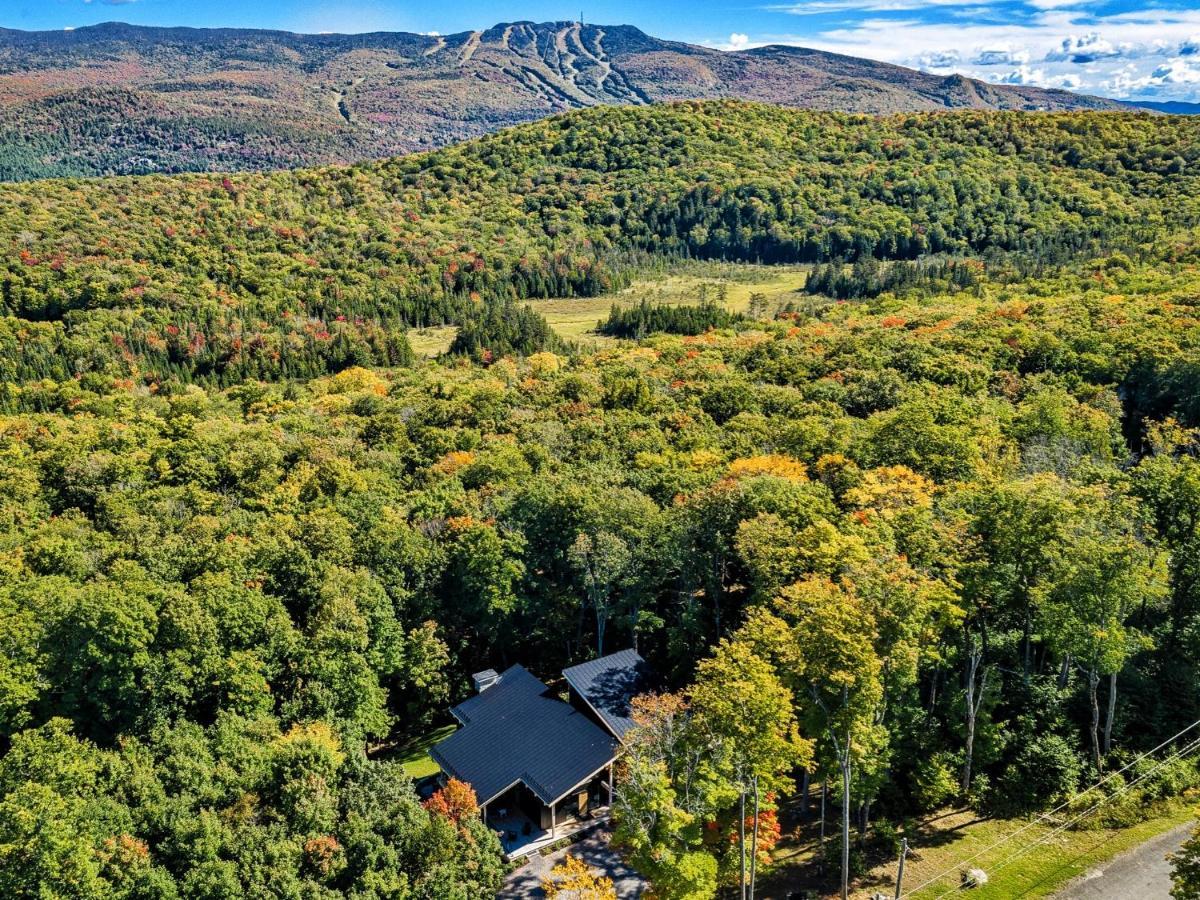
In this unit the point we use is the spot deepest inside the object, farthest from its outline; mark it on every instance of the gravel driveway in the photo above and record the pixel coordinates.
(526, 882)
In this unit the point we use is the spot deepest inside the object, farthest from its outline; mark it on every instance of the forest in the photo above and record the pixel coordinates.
(928, 533)
(214, 279)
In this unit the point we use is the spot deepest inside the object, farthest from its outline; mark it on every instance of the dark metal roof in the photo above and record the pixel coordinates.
(518, 679)
(608, 684)
(517, 730)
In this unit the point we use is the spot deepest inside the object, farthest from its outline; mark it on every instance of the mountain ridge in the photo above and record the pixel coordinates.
(1169, 107)
(115, 98)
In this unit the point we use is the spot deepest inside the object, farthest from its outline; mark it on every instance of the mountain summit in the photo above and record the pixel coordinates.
(117, 98)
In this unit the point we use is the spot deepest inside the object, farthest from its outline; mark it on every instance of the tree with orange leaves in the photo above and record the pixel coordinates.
(455, 801)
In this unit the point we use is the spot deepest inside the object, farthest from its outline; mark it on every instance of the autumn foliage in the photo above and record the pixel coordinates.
(571, 879)
(454, 801)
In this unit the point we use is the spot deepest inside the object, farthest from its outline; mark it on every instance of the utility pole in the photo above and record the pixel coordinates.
(900, 871)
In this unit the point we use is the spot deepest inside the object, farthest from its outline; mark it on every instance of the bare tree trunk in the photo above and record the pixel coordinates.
(601, 625)
(742, 839)
(754, 842)
(974, 702)
(1112, 708)
(845, 761)
(824, 794)
(579, 625)
(1093, 685)
(933, 693)
(1065, 672)
(804, 789)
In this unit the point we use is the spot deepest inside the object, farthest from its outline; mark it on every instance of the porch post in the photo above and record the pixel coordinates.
(610, 785)
(483, 812)
(553, 820)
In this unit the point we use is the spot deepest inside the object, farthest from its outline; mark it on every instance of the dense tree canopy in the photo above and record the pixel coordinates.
(941, 530)
(294, 274)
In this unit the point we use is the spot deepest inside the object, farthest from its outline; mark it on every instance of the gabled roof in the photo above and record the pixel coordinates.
(608, 684)
(518, 680)
(517, 731)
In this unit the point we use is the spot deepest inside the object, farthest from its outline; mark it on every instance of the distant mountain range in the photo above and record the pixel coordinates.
(1170, 107)
(117, 98)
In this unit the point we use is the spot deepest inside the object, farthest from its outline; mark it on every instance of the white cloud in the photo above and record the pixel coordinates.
(1055, 34)
(939, 59)
(819, 7)
(738, 41)
(1166, 79)
(1089, 48)
(1022, 75)
(1003, 55)
(1177, 71)
(1054, 4)
(1039, 77)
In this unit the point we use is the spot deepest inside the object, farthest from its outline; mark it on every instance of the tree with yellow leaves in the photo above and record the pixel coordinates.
(747, 714)
(821, 635)
(571, 879)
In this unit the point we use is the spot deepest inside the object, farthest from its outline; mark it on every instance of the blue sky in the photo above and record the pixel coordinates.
(1147, 49)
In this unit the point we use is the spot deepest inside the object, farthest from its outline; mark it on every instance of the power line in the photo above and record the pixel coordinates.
(1061, 806)
(1179, 754)
(1056, 809)
(1108, 837)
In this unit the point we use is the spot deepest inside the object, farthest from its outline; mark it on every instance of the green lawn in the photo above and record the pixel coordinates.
(1040, 871)
(414, 755)
(946, 842)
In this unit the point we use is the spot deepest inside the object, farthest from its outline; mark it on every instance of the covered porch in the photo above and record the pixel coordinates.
(525, 824)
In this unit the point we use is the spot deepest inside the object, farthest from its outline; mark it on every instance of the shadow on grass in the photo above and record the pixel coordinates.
(411, 751)
(799, 868)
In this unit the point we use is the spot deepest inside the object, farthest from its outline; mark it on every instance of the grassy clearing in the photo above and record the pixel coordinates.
(432, 341)
(945, 841)
(1037, 873)
(575, 318)
(414, 755)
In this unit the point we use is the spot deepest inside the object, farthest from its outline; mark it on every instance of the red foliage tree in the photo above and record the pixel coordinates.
(456, 801)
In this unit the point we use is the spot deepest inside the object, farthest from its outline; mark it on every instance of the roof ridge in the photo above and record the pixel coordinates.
(518, 730)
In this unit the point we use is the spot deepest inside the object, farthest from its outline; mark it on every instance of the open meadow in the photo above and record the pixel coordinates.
(731, 285)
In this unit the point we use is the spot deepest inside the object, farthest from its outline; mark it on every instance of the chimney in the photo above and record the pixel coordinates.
(485, 679)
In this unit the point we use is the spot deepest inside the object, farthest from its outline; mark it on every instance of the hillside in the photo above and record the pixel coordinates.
(1170, 107)
(217, 278)
(122, 99)
(934, 487)
(229, 607)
